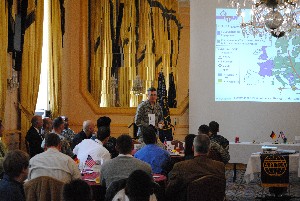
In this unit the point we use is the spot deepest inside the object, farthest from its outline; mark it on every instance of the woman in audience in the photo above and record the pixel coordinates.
(77, 190)
(138, 187)
(188, 149)
(2, 148)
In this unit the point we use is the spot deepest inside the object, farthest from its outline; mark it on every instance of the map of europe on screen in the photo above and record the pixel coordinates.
(247, 68)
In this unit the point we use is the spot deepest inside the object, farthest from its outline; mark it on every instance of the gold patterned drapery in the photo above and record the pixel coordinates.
(3, 55)
(55, 55)
(31, 64)
(129, 38)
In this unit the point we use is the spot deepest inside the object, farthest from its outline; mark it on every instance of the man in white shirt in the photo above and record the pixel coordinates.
(53, 163)
(94, 147)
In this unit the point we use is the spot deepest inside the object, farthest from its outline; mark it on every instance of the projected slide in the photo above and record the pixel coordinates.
(260, 68)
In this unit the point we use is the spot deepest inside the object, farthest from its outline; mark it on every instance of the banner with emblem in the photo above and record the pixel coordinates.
(274, 170)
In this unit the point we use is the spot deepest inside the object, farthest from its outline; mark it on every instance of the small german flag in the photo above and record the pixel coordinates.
(273, 135)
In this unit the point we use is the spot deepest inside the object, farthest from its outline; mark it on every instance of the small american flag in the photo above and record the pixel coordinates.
(90, 162)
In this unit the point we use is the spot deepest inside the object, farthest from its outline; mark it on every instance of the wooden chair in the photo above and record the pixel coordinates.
(207, 188)
(43, 188)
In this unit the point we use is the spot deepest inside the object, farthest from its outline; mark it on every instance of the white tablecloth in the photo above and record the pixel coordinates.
(241, 152)
(254, 165)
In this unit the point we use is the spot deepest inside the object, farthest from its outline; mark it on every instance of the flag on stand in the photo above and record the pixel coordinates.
(90, 162)
(273, 135)
(281, 135)
(172, 92)
(166, 131)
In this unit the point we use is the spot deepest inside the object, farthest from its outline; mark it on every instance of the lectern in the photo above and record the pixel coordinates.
(275, 175)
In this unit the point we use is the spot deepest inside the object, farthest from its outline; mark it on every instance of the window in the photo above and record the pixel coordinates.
(43, 95)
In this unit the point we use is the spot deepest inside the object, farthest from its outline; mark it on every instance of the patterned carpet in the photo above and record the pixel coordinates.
(240, 191)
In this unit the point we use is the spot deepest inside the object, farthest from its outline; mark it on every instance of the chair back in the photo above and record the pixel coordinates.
(44, 188)
(114, 188)
(207, 188)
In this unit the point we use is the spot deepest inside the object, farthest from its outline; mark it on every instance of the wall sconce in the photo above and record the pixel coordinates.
(137, 87)
(13, 82)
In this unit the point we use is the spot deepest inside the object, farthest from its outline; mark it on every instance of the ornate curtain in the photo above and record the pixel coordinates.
(129, 38)
(31, 64)
(3, 55)
(55, 54)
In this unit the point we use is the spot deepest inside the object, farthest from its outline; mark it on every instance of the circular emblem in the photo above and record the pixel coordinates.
(275, 165)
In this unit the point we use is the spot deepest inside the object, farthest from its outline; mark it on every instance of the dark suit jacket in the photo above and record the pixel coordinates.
(78, 138)
(34, 140)
(187, 171)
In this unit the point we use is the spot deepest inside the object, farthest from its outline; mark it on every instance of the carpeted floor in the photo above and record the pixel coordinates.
(240, 191)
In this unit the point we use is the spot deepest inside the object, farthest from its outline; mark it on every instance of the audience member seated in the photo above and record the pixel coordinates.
(138, 187)
(58, 127)
(47, 126)
(111, 143)
(216, 151)
(214, 129)
(94, 147)
(187, 171)
(34, 137)
(3, 149)
(124, 164)
(103, 121)
(15, 167)
(188, 149)
(158, 158)
(77, 190)
(203, 129)
(68, 133)
(88, 128)
(53, 163)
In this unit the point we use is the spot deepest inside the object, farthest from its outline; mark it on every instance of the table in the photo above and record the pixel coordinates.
(97, 189)
(254, 165)
(241, 152)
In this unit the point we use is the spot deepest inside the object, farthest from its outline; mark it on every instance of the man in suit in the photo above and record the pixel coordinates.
(88, 129)
(123, 165)
(34, 137)
(185, 172)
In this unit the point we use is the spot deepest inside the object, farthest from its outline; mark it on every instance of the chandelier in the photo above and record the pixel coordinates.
(137, 87)
(278, 17)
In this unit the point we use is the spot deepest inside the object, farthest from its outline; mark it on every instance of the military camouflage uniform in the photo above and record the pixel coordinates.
(224, 153)
(68, 134)
(145, 108)
(220, 140)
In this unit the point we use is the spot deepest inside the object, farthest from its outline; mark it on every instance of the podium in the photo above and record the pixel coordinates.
(275, 175)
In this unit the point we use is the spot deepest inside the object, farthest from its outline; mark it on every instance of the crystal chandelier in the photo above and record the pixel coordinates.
(137, 87)
(278, 17)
